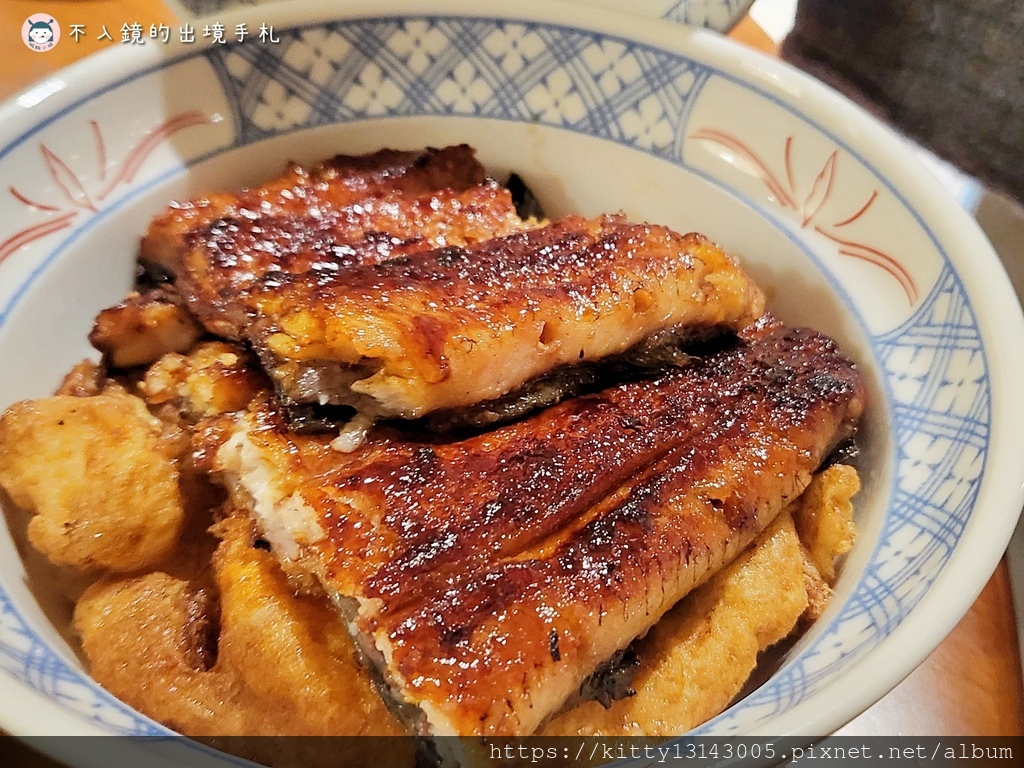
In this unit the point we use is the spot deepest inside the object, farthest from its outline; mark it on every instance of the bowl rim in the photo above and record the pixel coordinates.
(1001, 492)
(669, 11)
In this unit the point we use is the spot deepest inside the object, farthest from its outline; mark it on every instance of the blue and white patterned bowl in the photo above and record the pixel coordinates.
(719, 15)
(828, 209)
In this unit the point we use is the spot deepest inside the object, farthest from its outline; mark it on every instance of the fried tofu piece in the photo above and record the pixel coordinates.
(697, 658)
(142, 328)
(142, 645)
(819, 591)
(99, 477)
(85, 379)
(824, 518)
(213, 378)
(282, 663)
(307, 675)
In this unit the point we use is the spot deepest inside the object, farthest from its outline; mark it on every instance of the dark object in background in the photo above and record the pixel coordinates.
(950, 73)
(527, 204)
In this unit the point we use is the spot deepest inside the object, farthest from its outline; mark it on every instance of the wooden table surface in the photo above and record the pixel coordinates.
(969, 686)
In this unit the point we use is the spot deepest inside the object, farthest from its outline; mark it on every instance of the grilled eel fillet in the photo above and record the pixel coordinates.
(340, 182)
(452, 327)
(234, 263)
(226, 251)
(486, 579)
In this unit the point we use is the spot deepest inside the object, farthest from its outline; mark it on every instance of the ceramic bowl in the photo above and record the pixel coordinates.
(828, 210)
(719, 15)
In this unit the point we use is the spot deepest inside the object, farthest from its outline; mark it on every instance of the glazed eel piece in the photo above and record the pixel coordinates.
(448, 328)
(486, 579)
(331, 185)
(235, 263)
(345, 211)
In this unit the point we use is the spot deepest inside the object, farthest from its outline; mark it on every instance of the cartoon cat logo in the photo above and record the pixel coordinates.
(40, 32)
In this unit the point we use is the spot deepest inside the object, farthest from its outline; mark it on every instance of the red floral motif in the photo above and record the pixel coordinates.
(69, 185)
(810, 208)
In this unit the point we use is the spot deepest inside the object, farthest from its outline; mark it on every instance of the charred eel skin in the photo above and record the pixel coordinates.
(584, 523)
(456, 326)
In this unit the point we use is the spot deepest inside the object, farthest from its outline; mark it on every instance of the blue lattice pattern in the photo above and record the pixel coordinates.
(24, 654)
(510, 71)
(715, 14)
(935, 367)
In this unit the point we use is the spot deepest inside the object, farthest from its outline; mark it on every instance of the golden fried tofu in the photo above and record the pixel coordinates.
(819, 591)
(85, 379)
(291, 652)
(142, 642)
(213, 378)
(99, 477)
(824, 517)
(824, 520)
(282, 664)
(142, 328)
